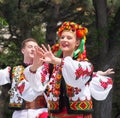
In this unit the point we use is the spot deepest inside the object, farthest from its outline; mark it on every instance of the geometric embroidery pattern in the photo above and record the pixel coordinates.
(81, 105)
(53, 105)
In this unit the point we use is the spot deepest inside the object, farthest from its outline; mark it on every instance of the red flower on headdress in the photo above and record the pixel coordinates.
(80, 31)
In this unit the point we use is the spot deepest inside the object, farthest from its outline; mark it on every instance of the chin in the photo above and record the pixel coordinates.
(31, 56)
(65, 50)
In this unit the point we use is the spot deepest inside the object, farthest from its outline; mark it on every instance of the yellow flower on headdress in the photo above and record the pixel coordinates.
(80, 31)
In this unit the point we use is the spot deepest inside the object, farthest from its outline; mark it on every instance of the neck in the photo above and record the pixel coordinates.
(28, 62)
(65, 54)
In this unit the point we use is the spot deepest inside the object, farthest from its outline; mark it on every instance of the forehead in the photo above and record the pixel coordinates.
(70, 33)
(31, 43)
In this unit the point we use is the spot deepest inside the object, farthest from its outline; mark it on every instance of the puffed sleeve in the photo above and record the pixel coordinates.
(5, 76)
(76, 73)
(38, 81)
(34, 84)
(100, 86)
(26, 91)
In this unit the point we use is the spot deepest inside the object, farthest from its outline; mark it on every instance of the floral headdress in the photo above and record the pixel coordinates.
(71, 26)
(81, 33)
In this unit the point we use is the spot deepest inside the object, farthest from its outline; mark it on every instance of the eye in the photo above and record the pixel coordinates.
(30, 46)
(62, 37)
(69, 37)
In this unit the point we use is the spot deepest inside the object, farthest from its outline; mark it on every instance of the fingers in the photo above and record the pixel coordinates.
(40, 51)
(44, 48)
(49, 48)
(110, 71)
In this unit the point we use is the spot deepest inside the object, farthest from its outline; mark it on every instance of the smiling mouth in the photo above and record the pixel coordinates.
(64, 45)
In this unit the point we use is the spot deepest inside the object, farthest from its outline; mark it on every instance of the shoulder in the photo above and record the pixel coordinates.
(17, 68)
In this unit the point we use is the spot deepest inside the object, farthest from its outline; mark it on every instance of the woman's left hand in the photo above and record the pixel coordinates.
(107, 72)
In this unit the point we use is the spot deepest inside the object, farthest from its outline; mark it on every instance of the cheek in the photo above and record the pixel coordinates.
(73, 44)
(27, 52)
(73, 47)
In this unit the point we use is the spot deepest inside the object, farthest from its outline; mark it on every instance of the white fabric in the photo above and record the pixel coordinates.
(33, 85)
(69, 69)
(30, 113)
(97, 91)
(35, 79)
(94, 90)
(4, 76)
(28, 94)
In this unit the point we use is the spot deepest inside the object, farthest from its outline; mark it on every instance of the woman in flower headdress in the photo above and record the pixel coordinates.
(72, 83)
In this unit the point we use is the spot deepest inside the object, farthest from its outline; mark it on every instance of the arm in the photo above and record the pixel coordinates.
(37, 60)
(36, 78)
(75, 73)
(5, 76)
(34, 84)
(107, 72)
(27, 92)
(38, 81)
(100, 86)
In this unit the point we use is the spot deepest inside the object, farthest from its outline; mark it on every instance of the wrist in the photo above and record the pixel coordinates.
(53, 60)
(56, 60)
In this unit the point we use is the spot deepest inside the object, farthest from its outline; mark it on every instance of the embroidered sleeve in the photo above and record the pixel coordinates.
(5, 76)
(34, 84)
(38, 81)
(26, 91)
(75, 73)
(100, 86)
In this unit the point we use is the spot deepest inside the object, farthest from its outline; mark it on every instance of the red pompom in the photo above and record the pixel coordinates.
(80, 33)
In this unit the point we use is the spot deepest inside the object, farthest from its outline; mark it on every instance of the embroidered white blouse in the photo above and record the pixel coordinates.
(75, 74)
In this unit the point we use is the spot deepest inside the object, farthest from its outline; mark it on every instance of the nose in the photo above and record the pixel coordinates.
(33, 48)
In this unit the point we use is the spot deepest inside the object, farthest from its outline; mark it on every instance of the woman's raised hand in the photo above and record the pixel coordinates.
(48, 56)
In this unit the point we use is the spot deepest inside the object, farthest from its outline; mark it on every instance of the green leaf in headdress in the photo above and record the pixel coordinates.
(80, 48)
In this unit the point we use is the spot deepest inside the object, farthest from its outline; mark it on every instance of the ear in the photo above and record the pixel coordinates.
(22, 50)
(77, 43)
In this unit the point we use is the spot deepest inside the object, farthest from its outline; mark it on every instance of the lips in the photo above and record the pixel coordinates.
(64, 45)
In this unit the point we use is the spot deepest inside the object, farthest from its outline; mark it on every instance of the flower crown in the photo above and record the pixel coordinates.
(80, 31)
(71, 26)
